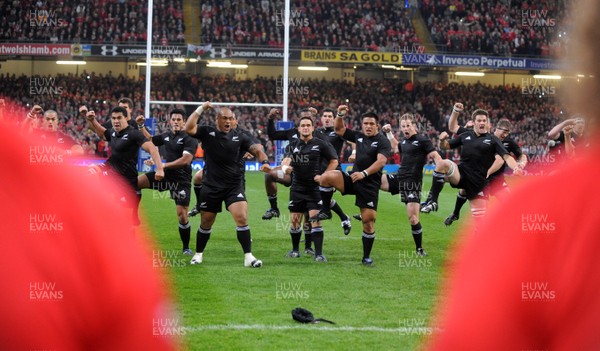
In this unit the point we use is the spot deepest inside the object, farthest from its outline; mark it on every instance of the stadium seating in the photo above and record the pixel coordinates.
(465, 26)
(381, 26)
(532, 116)
(103, 21)
(496, 27)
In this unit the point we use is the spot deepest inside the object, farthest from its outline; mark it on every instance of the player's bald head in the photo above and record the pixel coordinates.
(225, 112)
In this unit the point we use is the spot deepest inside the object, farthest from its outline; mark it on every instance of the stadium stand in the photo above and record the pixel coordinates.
(466, 26)
(376, 26)
(532, 116)
(102, 21)
(501, 28)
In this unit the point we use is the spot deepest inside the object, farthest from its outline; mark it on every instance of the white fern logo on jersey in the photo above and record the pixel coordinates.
(374, 144)
(487, 141)
(315, 148)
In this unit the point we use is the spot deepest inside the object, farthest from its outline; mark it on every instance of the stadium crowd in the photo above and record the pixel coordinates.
(381, 26)
(103, 21)
(502, 28)
(532, 116)
(467, 26)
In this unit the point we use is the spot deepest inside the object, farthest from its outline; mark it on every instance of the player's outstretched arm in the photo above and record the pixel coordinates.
(554, 133)
(523, 161)
(373, 168)
(512, 163)
(435, 156)
(183, 161)
(272, 132)
(94, 124)
(332, 165)
(191, 125)
(352, 156)
(387, 129)
(444, 144)
(498, 162)
(142, 127)
(257, 151)
(453, 121)
(569, 147)
(31, 116)
(339, 125)
(285, 167)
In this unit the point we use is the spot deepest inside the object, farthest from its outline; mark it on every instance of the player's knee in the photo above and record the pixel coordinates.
(369, 227)
(368, 222)
(443, 167)
(182, 216)
(325, 179)
(413, 219)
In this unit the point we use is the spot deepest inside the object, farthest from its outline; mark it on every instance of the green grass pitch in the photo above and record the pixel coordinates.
(224, 306)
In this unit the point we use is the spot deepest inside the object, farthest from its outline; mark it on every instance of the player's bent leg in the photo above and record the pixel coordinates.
(345, 219)
(385, 184)
(207, 219)
(143, 181)
(197, 179)
(239, 212)
(327, 182)
(307, 228)
(461, 199)
(197, 183)
(412, 210)
(453, 173)
(478, 208)
(368, 236)
(502, 193)
(295, 234)
(271, 189)
(332, 179)
(184, 229)
(442, 169)
(317, 237)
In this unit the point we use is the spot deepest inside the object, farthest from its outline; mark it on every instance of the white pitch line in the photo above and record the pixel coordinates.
(403, 330)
